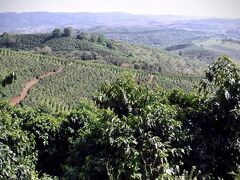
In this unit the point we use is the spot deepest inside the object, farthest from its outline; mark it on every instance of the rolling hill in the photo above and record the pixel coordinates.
(78, 79)
(96, 48)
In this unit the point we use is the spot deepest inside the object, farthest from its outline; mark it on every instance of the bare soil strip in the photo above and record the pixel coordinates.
(150, 78)
(28, 85)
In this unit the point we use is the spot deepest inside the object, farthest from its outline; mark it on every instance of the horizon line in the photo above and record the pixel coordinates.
(121, 12)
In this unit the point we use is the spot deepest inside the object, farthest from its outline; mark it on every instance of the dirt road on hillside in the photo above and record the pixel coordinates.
(150, 78)
(28, 85)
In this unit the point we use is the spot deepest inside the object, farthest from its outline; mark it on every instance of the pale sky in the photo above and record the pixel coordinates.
(209, 8)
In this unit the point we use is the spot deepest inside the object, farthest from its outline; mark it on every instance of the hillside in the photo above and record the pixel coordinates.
(160, 36)
(96, 48)
(209, 49)
(78, 79)
(191, 43)
(129, 131)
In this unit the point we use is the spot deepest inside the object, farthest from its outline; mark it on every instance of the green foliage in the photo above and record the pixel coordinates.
(17, 155)
(77, 81)
(101, 39)
(110, 45)
(84, 35)
(132, 139)
(156, 36)
(93, 38)
(25, 42)
(67, 32)
(25, 66)
(56, 33)
(44, 128)
(9, 79)
(213, 122)
(178, 47)
(103, 51)
(137, 134)
(130, 130)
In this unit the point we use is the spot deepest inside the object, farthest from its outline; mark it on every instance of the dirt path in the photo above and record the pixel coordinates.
(150, 78)
(28, 85)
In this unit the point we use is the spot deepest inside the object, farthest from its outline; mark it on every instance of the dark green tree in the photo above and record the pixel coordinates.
(68, 32)
(56, 33)
(213, 121)
(9, 79)
(93, 38)
(134, 136)
(84, 36)
(17, 154)
(101, 39)
(110, 45)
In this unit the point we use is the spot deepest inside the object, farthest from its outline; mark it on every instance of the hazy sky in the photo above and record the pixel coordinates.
(212, 8)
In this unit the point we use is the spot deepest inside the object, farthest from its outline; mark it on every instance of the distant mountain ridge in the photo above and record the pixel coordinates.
(46, 20)
(28, 22)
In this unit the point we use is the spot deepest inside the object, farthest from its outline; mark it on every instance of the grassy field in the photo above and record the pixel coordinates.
(209, 50)
(221, 47)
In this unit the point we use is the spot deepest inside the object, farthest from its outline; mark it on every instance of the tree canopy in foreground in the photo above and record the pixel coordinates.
(130, 132)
